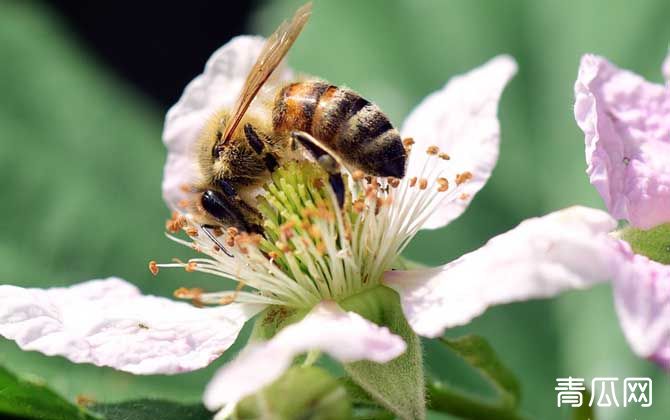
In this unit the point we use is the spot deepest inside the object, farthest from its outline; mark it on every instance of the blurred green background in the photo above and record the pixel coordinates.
(81, 164)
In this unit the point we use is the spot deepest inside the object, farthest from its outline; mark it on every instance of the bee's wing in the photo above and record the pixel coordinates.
(274, 50)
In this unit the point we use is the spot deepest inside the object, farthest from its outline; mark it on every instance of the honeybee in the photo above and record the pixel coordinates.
(237, 151)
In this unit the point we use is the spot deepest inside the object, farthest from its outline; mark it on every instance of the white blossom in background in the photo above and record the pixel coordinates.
(626, 123)
(323, 256)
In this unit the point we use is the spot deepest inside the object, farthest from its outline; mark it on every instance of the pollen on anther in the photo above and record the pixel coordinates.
(394, 182)
(358, 175)
(463, 177)
(433, 150)
(443, 184)
(423, 183)
(153, 267)
(408, 141)
(412, 181)
(444, 156)
(192, 231)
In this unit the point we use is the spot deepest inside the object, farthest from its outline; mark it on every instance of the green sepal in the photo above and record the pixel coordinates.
(479, 354)
(301, 393)
(399, 384)
(273, 319)
(653, 243)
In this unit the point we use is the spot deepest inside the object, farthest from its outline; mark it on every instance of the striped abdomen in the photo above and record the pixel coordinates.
(349, 124)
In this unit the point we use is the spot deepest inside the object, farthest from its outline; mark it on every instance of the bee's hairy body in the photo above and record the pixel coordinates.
(350, 126)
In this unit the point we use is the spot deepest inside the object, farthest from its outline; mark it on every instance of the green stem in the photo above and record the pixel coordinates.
(457, 403)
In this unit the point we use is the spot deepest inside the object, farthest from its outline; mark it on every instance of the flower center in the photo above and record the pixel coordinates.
(312, 248)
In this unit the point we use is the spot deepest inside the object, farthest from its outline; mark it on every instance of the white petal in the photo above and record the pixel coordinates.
(642, 297)
(217, 87)
(666, 68)
(461, 119)
(541, 257)
(110, 323)
(346, 336)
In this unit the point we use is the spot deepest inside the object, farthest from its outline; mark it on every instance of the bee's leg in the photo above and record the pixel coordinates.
(258, 144)
(210, 235)
(327, 161)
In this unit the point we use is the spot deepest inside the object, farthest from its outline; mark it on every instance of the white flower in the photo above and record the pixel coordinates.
(323, 256)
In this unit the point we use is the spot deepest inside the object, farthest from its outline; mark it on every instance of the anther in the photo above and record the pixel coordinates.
(463, 177)
(217, 231)
(358, 206)
(443, 184)
(412, 181)
(314, 232)
(190, 267)
(423, 183)
(433, 150)
(185, 188)
(394, 182)
(408, 141)
(358, 175)
(184, 203)
(153, 267)
(192, 231)
(232, 231)
(464, 196)
(444, 156)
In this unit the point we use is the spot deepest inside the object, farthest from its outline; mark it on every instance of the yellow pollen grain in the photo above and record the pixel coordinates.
(433, 150)
(394, 182)
(314, 232)
(463, 177)
(153, 267)
(358, 175)
(412, 181)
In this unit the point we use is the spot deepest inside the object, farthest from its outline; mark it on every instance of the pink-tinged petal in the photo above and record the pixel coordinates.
(461, 119)
(541, 257)
(110, 323)
(346, 336)
(217, 87)
(626, 123)
(642, 297)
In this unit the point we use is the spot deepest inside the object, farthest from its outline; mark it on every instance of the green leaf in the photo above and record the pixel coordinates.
(479, 354)
(585, 411)
(301, 393)
(31, 399)
(152, 409)
(653, 243)
(446, 399)
(399, 384)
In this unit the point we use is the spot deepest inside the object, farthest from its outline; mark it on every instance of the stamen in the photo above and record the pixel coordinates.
(444, 156)
(433, 150)
(463, 177)
(153, 267)
(423, 183)
(412, 181)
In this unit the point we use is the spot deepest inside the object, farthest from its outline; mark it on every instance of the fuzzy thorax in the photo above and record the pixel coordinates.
(311, 249)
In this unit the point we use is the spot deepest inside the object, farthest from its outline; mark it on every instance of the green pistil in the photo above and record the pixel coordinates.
(653, 243)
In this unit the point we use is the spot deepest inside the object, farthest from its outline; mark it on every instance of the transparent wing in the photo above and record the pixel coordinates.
(274, 50)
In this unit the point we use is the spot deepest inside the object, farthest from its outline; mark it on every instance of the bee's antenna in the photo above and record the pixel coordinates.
(211, 236)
